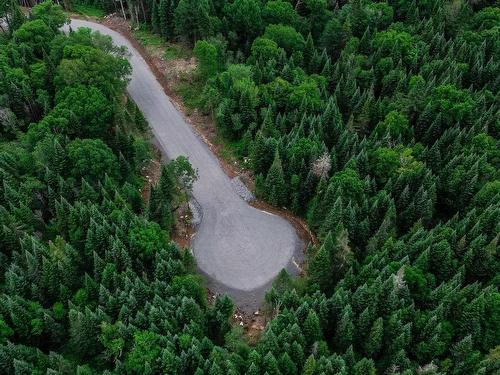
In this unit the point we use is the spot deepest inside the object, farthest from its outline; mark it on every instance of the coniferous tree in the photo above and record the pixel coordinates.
(192, 19)
(275, 183)
(312, 329)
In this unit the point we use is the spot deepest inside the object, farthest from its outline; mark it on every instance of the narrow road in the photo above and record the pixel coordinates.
(240, 248)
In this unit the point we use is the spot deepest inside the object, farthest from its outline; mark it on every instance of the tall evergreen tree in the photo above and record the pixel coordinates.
(275, 183)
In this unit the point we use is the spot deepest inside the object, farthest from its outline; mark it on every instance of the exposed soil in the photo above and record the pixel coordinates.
(151, 173)
(253, 324)
(183, 230)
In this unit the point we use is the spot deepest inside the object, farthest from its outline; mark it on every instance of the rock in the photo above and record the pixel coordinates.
(196, 211)
(242, 190)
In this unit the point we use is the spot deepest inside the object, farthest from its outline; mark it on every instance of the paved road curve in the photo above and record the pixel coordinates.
(241, 249)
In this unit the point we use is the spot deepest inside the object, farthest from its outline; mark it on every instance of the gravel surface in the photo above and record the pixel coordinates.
(196, 212)
(241, 189)
(240, 248)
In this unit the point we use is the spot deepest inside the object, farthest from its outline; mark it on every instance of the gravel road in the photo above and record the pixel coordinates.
(238, 247)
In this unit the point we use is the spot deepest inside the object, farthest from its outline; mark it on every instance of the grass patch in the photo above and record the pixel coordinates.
(88, 10)
(231, 149)
(191, 90)
(147, 38)
(175, 51)
(171, 51)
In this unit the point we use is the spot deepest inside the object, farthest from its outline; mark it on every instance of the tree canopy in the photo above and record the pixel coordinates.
(374, 121)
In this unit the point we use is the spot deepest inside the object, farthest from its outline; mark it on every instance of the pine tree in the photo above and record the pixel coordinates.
(364, 367)
(84, 332)
(312, 329)
(345, 330)
(275, 183)
(309, 366)
(166, 18)
(297, 353)
(268, 126)
(309, 52)
(333, 219)
(321, 268)
(155, 18)
(252, 370)
(286, 365)
(374, 342)
(215, 370)
(160, 202)
(270, 365)
(441, 259)
(192, 19)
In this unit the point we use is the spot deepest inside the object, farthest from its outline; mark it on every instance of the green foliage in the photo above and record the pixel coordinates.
(396, 44)
(206, 54)
(84, 65)
(192, 19)
(82, 266)
(280, 12)
(91, 159)
(264, 50)
(89, 11)
(332, 261)
(36, 34)
(146, 239)
(244, 26)
(286, 37)
(51, 14)
(147, 38)
(144, 354)
(453, 104)
(375, 120)
(83, 112)
(395, 125)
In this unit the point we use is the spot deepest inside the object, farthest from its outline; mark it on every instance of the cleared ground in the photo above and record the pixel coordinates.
(240, 248)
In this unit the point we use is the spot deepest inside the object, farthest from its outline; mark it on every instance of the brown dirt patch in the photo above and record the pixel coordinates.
(183, 230)
(151, 173)
(255, 326)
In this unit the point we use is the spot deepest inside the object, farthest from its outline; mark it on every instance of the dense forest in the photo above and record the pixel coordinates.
(377, 122)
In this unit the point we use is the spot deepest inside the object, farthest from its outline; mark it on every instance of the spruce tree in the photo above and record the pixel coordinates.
(270, 365)
(310, 366)
(155, 18)
(321, 267)
(275, 183)
(375, 337)
(364, 367)
(312, 329)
